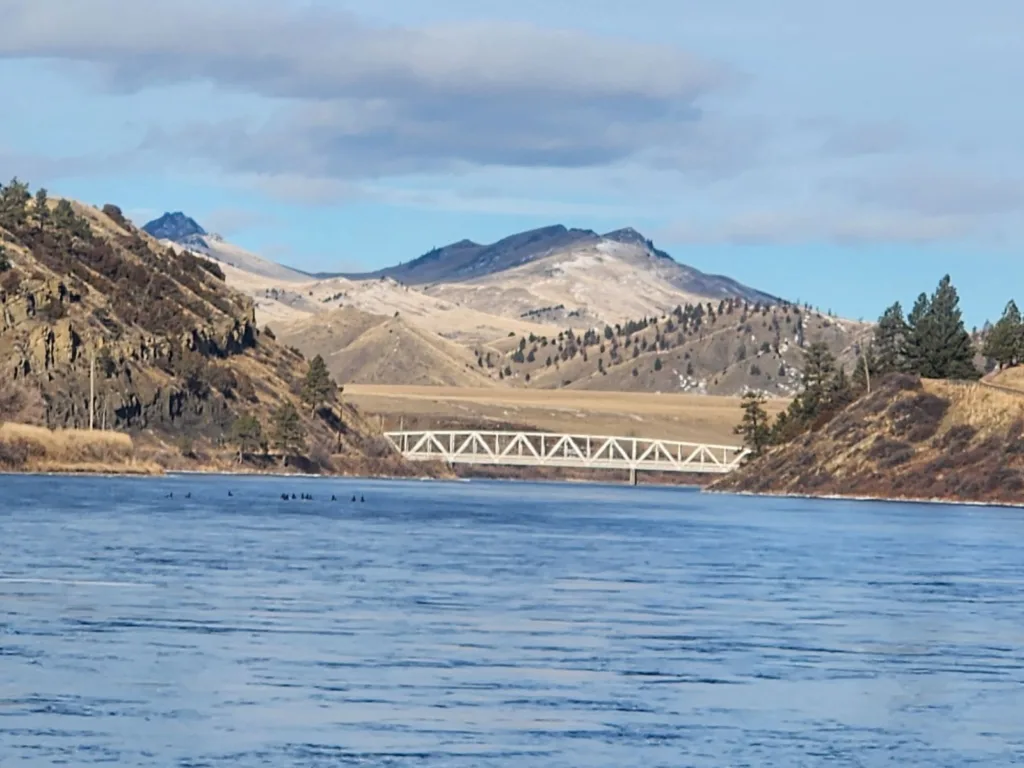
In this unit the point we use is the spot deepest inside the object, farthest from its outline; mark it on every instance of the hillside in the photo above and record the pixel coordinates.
(911, 439)
(178, 356)
(533, 290)
(724, 349)
(362, 348)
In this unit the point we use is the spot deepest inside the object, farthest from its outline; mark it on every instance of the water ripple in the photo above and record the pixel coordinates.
(491, 625)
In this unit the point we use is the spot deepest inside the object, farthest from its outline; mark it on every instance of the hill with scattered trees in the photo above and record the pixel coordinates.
(727, 348)
(101, 326)
(913, 419)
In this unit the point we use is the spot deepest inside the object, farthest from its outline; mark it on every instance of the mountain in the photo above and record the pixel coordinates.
(177, 353)
(173, 226)
(185, 233)
(466, 260)
(544, 251)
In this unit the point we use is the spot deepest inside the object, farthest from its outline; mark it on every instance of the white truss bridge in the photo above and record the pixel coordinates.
(542, 449)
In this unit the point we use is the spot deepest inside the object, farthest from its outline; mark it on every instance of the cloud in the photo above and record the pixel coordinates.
(848, 228)
(362, 101)
(40, 169)
(844, 140)
(937, 192)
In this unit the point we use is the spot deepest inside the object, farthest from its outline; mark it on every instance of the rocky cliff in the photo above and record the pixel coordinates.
(175, 354)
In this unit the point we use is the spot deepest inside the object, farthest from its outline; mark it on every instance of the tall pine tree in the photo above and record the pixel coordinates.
(318, 387)
(890, 341)
(754, 427)
(938, 344)
(1004, 343)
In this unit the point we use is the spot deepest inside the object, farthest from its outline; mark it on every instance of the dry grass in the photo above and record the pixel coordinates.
(698, 418)
(987, 409)
(23, 446)
(1013, 378)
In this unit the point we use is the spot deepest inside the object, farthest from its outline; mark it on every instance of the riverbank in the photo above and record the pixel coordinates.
(867, 499)
(909, 440)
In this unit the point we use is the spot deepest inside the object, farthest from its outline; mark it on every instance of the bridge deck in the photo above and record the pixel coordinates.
(541, 449)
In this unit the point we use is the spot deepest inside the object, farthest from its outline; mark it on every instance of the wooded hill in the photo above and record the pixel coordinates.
(727, 347)
(912, 421)
(174, 355)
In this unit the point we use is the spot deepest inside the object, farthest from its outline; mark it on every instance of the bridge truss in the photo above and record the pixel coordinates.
(542, 449)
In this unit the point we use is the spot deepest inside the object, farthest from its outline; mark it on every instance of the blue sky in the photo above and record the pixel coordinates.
(843, 153)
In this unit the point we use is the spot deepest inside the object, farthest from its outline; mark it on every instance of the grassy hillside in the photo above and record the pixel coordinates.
(364, 348)
(909, 438)
(722, 349)
(177, 355)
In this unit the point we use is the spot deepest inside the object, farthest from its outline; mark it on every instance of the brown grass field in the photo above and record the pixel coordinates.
(685, 417)
(38, 449)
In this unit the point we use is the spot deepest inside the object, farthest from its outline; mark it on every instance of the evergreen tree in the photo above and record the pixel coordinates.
(318, 386)
(42, 208)
(289, 434)
(1004, 343)
(13, 199)
(754, 426)
(247, 434)
(819, 370)
(867, 365)
(938, 344)
(890, 341)
(5, 262)
(657, 363)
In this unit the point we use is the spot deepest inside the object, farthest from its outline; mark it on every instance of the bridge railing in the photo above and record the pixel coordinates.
(565, 450)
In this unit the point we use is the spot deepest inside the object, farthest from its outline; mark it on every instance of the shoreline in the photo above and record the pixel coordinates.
(107, 473)
(876, 499)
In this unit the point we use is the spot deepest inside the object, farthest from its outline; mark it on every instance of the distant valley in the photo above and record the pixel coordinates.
(551, 308)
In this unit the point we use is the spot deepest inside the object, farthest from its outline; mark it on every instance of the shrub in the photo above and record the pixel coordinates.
(890, 453)
(957, 438)
(918, 418)
(114, 213)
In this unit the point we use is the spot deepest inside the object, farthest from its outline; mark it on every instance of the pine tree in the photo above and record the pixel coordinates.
(13, 199)
(938, 344)
(819, 370)
(754, 426)
(867, 366)
(247, 434)
(42, 208)
(5, 262)
(890, 341)
(1004, 343)
(318, 386)
(289, 434)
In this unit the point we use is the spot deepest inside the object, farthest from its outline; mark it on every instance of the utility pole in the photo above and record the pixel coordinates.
(92, 386)
(867, 372)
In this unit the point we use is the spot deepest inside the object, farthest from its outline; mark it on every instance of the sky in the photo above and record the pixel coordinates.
(846, 154)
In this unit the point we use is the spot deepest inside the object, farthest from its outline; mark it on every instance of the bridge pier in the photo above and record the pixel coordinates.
(632, 475)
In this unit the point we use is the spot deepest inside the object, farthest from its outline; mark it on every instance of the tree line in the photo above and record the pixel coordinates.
(931, 341)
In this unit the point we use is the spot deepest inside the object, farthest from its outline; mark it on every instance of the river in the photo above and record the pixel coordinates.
(493, 625)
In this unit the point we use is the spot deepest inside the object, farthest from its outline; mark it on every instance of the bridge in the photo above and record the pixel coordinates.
(542, 449)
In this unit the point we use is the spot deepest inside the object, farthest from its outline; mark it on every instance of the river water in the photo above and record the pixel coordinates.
(501, 624)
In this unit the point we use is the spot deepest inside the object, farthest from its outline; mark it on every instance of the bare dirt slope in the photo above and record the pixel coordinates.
(363, 348)
(908, 439)
(694, 418)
